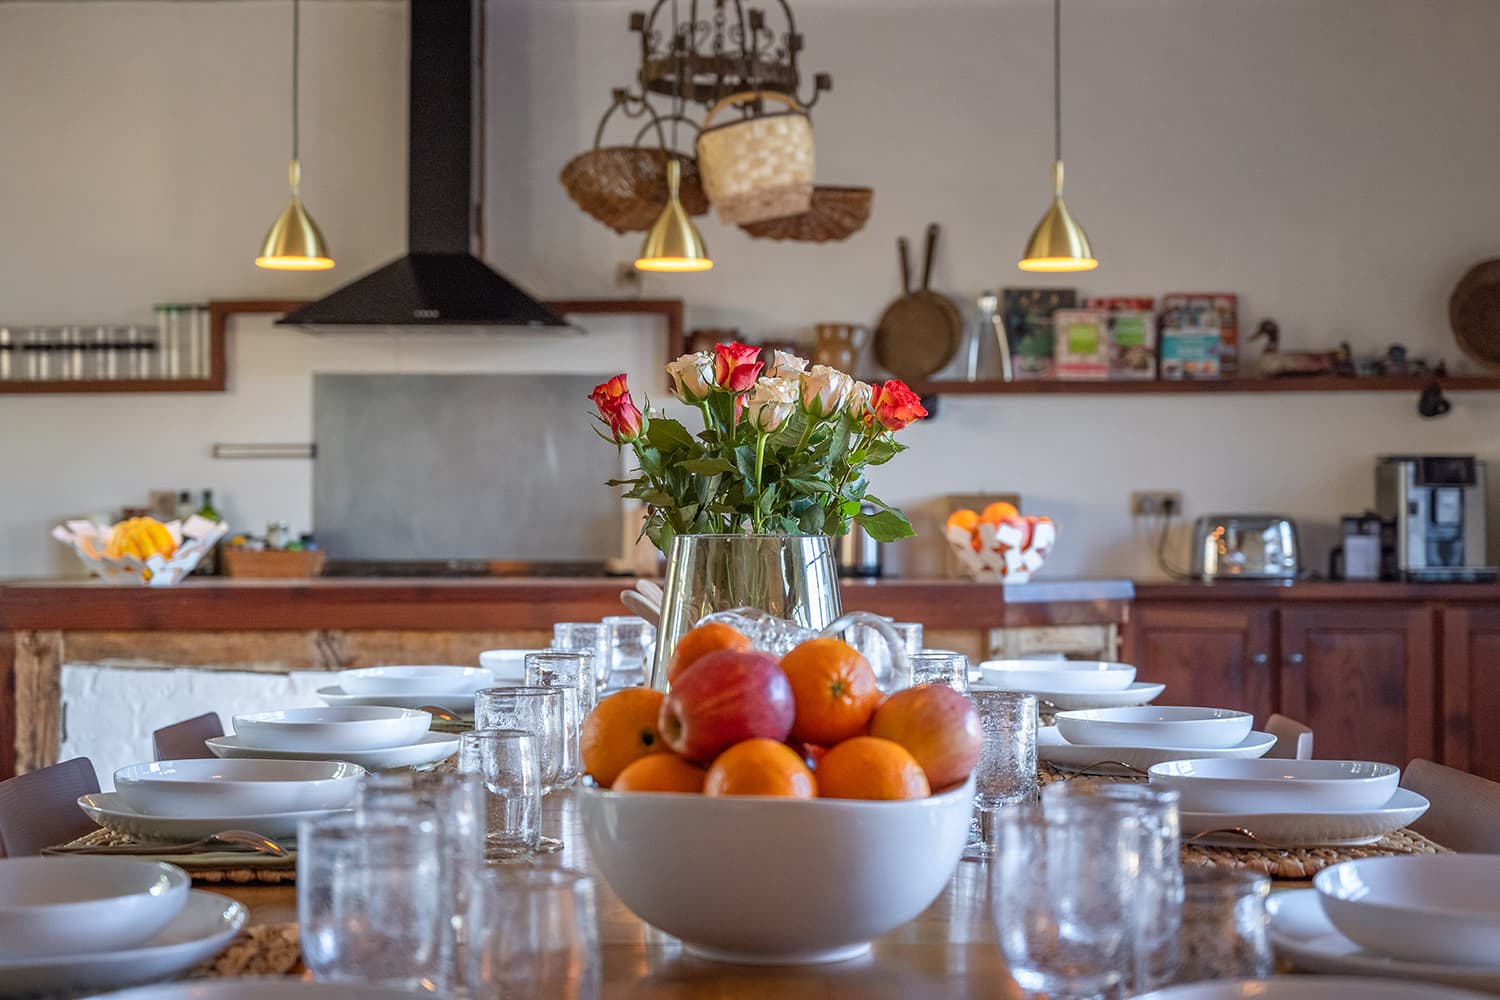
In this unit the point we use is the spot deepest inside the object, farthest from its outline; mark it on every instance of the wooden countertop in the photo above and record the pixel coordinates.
(498, 603)
(1317, 591)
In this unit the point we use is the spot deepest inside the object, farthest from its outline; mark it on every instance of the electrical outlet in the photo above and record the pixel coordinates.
(1155, 503)
(626, 276)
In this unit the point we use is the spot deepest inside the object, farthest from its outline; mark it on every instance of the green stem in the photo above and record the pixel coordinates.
(760, 461)
(806, 433)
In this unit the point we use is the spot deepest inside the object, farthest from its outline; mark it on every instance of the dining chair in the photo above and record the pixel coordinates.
(184, 740)
(1465, 812)
(1294, 741)
(40, 808)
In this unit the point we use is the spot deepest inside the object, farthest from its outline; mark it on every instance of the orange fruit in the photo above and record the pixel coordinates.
(963, 519)
(868, 767)
(760, 767)
(699, 641)
(834, 689)
(620, 730)
(998, 511)
(660, 772)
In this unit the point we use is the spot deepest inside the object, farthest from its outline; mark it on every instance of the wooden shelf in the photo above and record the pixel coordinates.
(1392, 383)
(116, 385)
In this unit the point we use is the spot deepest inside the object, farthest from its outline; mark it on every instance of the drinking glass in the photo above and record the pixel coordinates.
(506, 762)
(542, 712)
(535, 934)
(1223, 925)
(873, 646)
(1064, 898)
(1159, 917)
(1006, 773)
(588, 637)
(629, 644)
(572, 671)
(940, 666)
(371, 901)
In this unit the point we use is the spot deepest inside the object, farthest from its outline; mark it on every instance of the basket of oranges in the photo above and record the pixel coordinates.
(998, 543)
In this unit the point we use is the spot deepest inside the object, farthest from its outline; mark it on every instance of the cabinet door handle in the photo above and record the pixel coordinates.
(1295, 659)
(1259, 659)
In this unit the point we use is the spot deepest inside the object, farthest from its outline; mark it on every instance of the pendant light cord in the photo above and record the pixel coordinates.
(681, 64)
(296, 70)
(1057, 80)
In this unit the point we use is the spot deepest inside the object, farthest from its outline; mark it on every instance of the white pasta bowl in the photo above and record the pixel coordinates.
(507, 665)
(1421, 908)
(194, 789)
(414, 680)
(1272, 785)
(80, 905)
(333, 730)
(1155, 726)
(771, 880)
(1061, 676)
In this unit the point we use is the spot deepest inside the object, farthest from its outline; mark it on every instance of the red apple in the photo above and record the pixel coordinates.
(723, 698)
(938, 726)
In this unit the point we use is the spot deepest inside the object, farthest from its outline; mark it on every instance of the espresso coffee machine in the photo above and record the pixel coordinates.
(1435, 507)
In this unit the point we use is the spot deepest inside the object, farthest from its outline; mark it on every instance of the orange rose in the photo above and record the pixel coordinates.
(625, 420)
(736, 366)
(894, 405)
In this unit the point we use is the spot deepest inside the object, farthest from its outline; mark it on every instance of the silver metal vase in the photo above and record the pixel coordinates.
(789, 576)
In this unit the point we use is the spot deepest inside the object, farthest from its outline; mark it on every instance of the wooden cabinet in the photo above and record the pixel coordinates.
(1216, 654)
(1363, 677)
(1470, 704)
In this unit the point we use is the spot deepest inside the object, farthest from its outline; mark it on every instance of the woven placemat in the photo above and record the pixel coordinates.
(266, 950)
(208, 866)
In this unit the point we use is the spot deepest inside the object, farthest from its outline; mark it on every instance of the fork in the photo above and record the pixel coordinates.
(241, 839)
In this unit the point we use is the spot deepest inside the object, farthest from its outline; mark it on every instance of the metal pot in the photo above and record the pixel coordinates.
(858, 554)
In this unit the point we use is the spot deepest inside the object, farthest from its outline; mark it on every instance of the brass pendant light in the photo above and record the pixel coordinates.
(295, 243)
(1058, 243)
(674, 244)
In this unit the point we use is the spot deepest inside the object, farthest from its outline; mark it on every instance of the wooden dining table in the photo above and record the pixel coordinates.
(948, 951)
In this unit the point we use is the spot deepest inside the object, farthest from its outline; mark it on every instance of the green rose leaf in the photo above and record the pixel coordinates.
(706, 466)
(668, 435)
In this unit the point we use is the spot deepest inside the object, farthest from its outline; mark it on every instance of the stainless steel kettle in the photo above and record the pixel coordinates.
(1245, 547)
(857, 553)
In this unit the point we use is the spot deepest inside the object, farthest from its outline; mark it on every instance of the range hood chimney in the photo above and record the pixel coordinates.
(439, 282)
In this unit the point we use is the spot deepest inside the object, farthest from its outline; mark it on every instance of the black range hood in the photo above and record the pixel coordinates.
(439, 282)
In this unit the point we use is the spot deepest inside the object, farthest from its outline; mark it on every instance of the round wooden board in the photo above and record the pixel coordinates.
(918, 335)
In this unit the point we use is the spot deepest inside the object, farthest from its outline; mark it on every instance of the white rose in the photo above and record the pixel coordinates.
(859, 400)
(692, 376)
(825, 390)
(769, 403)
(785, 364)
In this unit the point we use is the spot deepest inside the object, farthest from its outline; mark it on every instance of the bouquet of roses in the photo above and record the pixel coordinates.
(782, 451)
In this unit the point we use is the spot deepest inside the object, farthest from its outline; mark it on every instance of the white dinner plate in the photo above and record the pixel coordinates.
(428, 750)
(1139, 693)
(1053, 749)
(1351, 828)
(203, 927)
(273, 988)
(109, 810)
(459, 704)
(1302, 935)
(1308, 988)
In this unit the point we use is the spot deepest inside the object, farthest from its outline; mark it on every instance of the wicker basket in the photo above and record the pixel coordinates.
(836, 213)
(273, 563)
(625, 187)
(757, 168)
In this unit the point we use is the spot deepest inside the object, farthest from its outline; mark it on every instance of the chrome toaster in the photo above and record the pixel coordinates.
(1245, 547)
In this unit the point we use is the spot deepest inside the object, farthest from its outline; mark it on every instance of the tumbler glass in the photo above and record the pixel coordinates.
(1006, 773)
(1223, 925)
(588, 637)
(876, 650)
(629, 645)
(542, 712)
(1064, 898)
(940, 666)
(573, 671)
(535, 934)
(506, 762)
(371, 901)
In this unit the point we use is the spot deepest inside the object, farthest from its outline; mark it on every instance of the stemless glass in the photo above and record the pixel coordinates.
(1224, 925)
(542, 712)
(535, 934)
(629, 645)
(506, 762)
(371, 900)
(1064, 900)
(1006, 773)
(589, 637)
(940, 666)
(1159, 917)
(573, 671)
(873, 646)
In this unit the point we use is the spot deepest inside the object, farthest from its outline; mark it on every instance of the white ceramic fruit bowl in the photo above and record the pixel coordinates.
(194, 789)
(77, 905)
(775, 881)
(1155, 726)
(1069, 676)
(1269, 785)
(414, 680)
(332, 730)
(1421, 908)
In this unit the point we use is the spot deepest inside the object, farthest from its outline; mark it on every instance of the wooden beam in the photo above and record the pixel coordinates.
(38, 702)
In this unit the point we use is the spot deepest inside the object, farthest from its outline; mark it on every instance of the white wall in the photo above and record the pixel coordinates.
(1329, 161)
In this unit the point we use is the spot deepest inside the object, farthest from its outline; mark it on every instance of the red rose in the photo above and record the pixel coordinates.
(618, 410)
(736, 367)
(895, 405)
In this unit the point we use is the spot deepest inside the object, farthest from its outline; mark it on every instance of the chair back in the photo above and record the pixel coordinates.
(1294, 741)
(40, 808)
(184, 740)
(1465, 813)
